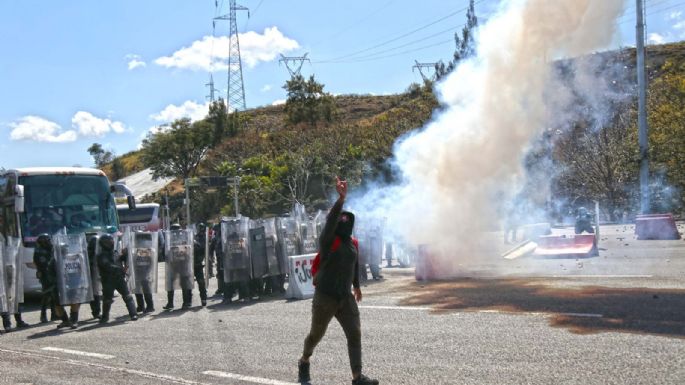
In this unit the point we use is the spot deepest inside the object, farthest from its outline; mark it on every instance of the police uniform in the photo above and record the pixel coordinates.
(112, 274)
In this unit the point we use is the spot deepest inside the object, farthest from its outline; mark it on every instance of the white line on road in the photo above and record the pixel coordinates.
(78, 353)
(256, 380)
(603, 276)
(141, 373)
(486, 311)
(393, 307)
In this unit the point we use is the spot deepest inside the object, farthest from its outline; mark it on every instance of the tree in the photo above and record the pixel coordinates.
(217, 117)
(465, 44)
(118, 170)
(307, 102)
(100, 155)
(177, 151)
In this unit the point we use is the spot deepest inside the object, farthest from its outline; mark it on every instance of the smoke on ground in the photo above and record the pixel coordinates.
(459, 170)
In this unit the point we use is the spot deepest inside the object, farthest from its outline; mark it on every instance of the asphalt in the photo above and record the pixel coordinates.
(614, 319)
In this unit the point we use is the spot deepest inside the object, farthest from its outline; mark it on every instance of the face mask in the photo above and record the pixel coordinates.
(345, 225)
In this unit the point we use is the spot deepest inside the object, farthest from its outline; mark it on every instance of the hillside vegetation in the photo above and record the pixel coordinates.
(281, 162)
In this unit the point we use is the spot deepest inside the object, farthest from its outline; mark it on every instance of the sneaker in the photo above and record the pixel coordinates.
(363, 380)
(303, 372)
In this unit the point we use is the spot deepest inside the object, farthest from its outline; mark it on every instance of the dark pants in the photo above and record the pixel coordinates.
(200, 278)
(345, 310)
(115, 283)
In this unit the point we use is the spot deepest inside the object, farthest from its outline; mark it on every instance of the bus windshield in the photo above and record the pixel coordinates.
(77, 203)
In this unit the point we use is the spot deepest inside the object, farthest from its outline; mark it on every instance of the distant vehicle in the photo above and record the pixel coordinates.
(145, 217)
(41, 200)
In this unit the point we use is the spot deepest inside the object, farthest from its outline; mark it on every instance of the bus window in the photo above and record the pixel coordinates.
(139, 215)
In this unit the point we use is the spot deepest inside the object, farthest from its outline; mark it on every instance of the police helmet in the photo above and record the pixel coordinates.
(175, 226)
(44, 240)
(106, 241)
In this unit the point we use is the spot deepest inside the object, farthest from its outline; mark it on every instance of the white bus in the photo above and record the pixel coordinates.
(41, 200)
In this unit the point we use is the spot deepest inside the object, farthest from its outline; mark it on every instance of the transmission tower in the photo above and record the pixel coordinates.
(211, 89)
(296, 61)
(235, 95)
(421, 66)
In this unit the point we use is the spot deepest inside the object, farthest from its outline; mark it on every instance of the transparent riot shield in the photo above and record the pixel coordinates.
(234, 239)
(179, 259)
(288, 241)
(309, 236)
(96, 282)
(143, 256)
(263, 248)
(14, 274)
(73, 268)
(208, 262)
(4, 306)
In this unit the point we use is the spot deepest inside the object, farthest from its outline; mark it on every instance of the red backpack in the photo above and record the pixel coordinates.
(336, 243)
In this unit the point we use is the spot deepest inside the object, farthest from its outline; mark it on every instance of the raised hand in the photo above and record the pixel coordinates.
(341, 187)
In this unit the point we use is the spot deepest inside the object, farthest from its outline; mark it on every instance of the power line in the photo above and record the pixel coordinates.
(402, 35)
(353, 24)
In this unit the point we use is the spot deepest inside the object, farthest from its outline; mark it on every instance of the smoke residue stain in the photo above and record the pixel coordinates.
(586, 310)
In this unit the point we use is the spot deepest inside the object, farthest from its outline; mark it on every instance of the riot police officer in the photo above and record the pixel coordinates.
(178, 269)
(216, 248)
(95, 307)
(112, 274)
(584, 221)
(42, 254)
(199, 249)
(145, 267)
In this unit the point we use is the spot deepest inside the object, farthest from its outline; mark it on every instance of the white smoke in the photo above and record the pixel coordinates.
(456, 171)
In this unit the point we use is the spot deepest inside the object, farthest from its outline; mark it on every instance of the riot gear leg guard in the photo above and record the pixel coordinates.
(95, 306)
(106, 307)
(140, 300)
(65, 321)
(170, 300)
(73, 318)
(43, 313)
(6, 323)
(150, 306)
(19, 321)
(187, 299)
(53, 312)
(131, 307)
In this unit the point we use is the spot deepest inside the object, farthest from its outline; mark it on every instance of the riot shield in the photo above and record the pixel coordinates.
(288, 241)
(96, 282)
(309, 236)
(143, 261)
(369, 233)
(4, 306)
(208, 261)
(234, 239)
(179, 259)
(263, 248)
(14, 275)
(73, 268)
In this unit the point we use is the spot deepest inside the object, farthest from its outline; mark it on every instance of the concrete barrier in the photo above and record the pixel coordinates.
(300, 280)
(656, 226)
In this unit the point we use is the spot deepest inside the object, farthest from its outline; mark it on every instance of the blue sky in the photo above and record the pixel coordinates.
(77, 72)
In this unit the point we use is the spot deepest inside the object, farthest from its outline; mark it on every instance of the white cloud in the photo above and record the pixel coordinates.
(675, 15)
(278, 102)
(40, 130)
(135, 61)
(254, 48)
(656, 38)
(89, 125)
(266, 88)
(189, 109)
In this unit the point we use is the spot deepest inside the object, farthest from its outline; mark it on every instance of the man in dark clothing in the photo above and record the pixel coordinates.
(112, 274)
(199, 248)
(216, 248)
(338, 270)
(42, 254)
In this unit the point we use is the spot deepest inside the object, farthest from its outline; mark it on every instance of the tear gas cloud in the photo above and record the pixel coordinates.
(457, 171)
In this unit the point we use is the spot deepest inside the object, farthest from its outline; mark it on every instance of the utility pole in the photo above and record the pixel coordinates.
(235, 95)
(643, 130)
(420, 67)
(295, 70)
(211, 88)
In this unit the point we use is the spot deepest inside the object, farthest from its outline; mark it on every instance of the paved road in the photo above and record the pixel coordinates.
(615, 319)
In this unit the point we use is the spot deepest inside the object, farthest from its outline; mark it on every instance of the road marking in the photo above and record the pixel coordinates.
(256, 380)
(486, 311)
(393, 307)
(78, 353)
(603, 276)
(141, 373)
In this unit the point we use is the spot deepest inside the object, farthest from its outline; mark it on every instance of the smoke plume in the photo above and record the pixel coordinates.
(458, 170)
